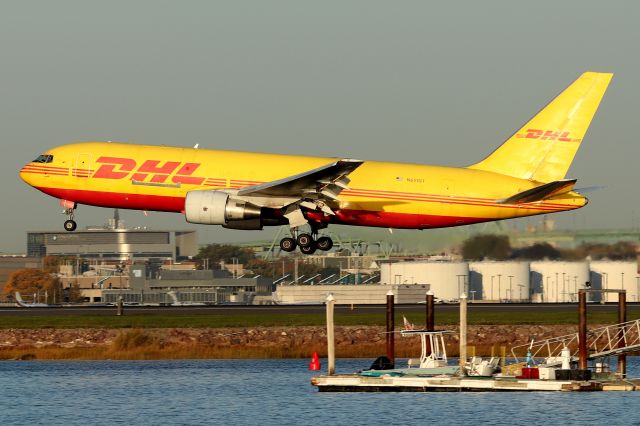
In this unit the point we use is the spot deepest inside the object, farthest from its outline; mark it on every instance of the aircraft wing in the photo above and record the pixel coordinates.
(324, 182)
(541, 192)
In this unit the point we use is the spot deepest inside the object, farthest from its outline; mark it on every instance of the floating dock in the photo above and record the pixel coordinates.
(357, 383)
(555, 371)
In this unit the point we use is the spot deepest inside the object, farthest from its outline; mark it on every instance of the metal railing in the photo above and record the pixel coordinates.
(605, 341)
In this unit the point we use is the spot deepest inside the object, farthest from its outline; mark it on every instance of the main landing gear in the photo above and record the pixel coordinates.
(308, 243)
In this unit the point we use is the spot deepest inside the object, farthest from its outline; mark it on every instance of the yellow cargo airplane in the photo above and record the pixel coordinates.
(525, 176)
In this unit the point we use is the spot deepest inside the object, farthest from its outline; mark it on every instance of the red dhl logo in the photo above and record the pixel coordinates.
(150, 171)
(547, 135)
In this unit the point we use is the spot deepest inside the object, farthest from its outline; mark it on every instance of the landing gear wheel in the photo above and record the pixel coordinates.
(324, 243)
(70, 225)
(308, 249)
(288, 244)
(305, 240)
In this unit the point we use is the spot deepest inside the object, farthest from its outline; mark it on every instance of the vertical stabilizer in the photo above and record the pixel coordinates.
(543, 149)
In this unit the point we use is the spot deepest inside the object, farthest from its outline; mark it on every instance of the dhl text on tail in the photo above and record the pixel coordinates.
(241, 190)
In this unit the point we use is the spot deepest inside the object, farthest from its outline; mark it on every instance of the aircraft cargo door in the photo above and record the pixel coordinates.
(446, 193)
(83, 168)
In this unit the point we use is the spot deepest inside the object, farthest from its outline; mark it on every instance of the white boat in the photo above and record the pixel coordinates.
(433, 358)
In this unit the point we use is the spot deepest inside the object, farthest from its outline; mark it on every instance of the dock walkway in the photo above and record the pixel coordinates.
(357, 383)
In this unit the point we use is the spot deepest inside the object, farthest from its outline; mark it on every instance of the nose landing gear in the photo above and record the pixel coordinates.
(69, 209)
(70, 225)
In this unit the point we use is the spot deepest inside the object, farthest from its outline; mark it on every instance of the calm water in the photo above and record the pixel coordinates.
(269, 392)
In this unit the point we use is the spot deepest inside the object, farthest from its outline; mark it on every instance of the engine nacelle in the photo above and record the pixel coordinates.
(218, 208)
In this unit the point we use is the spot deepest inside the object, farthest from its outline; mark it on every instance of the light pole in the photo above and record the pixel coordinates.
(499, 289)
(463, 290)
(520, 292)
(564, 288)
(557, 285)
(492, 287)
(545, 288)
(510, 286)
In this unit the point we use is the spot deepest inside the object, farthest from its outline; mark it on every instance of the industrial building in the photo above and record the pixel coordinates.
(559, 282)
(538, 282)
(446, 279)
(147, 286)
(499, 281)
(114, 243)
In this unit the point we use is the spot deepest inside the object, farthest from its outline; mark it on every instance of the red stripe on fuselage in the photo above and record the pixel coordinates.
(176, 205)
(161, 203)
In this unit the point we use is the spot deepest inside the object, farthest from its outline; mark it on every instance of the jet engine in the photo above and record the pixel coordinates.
(219, 208)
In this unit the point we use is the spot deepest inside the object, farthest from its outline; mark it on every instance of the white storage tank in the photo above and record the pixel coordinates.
(558, 282)
(616, 275)
(499, 281)
(446, 279)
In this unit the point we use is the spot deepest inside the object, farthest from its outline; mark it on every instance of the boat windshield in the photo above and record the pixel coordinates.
(44, 159)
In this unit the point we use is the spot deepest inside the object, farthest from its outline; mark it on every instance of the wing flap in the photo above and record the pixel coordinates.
(328, 181)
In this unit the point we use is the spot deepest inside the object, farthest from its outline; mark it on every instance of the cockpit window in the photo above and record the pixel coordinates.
(44, 159)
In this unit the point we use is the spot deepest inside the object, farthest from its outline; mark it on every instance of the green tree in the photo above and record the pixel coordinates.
(74, 294)
(215, 253)
(537, 251)
(34, 281)
(489, 246)
(51, 264)
(264, 268)
(622, 250)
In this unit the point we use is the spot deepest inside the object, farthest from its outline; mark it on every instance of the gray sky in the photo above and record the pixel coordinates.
(429, 82)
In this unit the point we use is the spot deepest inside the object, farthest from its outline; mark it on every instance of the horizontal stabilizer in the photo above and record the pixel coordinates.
(540, 192)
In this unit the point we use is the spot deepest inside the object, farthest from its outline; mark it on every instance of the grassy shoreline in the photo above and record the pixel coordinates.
(220, 320)
(154, 336)
(255, 342)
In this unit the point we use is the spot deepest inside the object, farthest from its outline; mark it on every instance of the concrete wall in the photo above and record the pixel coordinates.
(349, 294)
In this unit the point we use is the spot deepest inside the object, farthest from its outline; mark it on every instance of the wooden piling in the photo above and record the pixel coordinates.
(331, 347)
(390, 328)
(622, 318)
(463, 333)
(582, 329)
(430, 316)
(430, 313)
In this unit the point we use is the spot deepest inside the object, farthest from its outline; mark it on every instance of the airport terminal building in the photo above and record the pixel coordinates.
(114, 245)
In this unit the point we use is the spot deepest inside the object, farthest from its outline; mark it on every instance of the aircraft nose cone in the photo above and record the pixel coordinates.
(25, 175)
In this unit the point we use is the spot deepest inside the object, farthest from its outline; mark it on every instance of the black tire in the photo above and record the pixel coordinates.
(305, 240)
(308, 249)
(324, 243)
(70, 225)
(288, 244)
